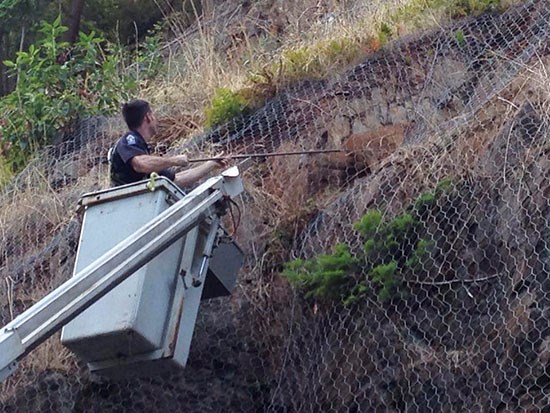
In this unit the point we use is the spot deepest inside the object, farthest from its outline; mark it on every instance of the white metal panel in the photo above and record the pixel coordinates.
(131, 318)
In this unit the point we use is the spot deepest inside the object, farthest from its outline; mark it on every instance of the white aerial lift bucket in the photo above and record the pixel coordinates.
(145, 324)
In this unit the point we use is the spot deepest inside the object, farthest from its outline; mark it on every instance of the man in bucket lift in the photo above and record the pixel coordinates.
(131, 160)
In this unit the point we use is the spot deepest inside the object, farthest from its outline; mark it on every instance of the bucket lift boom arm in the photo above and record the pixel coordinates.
(48, 315)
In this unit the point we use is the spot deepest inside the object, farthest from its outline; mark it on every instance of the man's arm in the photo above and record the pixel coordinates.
(146, 164)
(190, 176)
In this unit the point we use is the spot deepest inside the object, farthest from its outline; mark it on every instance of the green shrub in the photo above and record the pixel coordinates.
(416, 259)
(420, 13)
(445, 185)
(425, 201)
(368, 225)
(225, 106)
(335, 275)
(460, 38)
(321, 59)
(474, 7)
(340, 52)
(383, 276)
(56, 85)
(385, 33)
(391, 248)
(148, 57)
(314, 61)
(327, 275)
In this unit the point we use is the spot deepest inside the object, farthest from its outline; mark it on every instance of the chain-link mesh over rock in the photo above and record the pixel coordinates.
(408, 273)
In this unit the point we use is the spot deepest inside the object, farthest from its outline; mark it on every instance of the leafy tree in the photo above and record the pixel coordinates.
(17, 17)
(57, 84)
(118, 21)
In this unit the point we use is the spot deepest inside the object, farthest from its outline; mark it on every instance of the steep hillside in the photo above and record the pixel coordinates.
(444, 302)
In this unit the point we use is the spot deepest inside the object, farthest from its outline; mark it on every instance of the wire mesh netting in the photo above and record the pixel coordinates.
(419, 255)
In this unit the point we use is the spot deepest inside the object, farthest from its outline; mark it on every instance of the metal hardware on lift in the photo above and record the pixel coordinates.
(182, 275)
(151, 185)
(124, 191)
(197, 282)
(207, 251)
(8, 370)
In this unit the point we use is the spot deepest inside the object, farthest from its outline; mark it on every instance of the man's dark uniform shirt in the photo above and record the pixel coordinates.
(130, 145)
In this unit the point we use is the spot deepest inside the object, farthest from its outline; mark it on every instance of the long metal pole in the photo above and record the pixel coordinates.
(262, 155)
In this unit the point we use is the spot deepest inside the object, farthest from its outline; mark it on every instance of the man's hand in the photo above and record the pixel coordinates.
(192, 175)
(220, 163)
(181, 160)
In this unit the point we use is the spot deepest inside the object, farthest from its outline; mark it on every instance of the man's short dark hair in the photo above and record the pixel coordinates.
(134, 112)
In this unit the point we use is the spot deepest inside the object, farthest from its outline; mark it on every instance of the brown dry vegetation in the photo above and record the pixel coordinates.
(304, 355)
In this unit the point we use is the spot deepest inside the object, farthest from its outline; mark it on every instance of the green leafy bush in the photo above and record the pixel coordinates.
(56, 85)
(468, 7)
(148, 59)
(225, 106)
(391, 248)
(383, 275)
(325, 276)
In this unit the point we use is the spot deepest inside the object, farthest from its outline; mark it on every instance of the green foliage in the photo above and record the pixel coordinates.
(475, 7)
(123, 21)
(383, 275)
(391, 248)
(369, 223)
(444, 185)
(300, 62)
(56, 85)
(388, 245)
(148, 56)
(419, 13)
(307, 62)
(416, 259)
(5, 171)
(12, 10)
(340, 52)
(400, 225)
(334, 275)
(460, 38)
(6, 6)
(423, 202)
(225, 106)
(327, 275)
(317, 60)
(385, 33)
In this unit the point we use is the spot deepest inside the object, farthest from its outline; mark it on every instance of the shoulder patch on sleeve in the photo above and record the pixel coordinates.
(131, 139)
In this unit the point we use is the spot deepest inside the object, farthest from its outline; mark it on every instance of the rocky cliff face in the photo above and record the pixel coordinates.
(467, 330)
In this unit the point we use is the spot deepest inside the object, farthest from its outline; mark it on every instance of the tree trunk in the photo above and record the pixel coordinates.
(74, 20)
(3, 77)
(7, 52)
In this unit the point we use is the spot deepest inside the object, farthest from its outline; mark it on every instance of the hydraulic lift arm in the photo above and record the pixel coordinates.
(66, 302)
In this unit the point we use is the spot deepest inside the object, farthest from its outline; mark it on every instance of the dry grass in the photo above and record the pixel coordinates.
(239, 49)
(49, 356)
(279, 197)
(262, 47)
(36, 204)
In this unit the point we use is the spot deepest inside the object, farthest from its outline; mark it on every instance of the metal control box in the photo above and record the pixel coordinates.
(150, 316)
